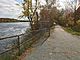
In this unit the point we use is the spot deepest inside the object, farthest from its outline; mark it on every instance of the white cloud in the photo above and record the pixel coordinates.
(9, 9)
(43, 2)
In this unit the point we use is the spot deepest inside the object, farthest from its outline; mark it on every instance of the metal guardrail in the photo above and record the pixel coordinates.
(23, 41)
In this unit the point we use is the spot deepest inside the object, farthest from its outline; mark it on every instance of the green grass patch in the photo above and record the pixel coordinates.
(72, 31)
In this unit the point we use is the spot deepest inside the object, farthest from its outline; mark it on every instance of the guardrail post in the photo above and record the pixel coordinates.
(18, 42)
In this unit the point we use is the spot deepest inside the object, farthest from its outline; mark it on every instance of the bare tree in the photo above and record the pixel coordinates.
(72, 6)
(30, 11)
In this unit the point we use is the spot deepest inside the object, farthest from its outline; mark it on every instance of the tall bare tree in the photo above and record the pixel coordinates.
(72, 5)
(30, 11)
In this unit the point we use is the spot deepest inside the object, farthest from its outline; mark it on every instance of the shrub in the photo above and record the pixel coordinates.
(76, 28)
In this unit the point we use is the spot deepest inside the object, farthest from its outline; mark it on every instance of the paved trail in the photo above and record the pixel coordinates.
(59, 46)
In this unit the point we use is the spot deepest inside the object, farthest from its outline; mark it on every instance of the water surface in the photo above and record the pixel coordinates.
(9, 29)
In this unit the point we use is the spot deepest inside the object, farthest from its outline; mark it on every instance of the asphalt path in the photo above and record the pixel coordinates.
(59, 46)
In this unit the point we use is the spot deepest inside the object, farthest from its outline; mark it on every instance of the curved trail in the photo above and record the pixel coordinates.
(59, 46)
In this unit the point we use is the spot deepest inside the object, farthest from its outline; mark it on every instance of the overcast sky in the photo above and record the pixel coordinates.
(9, 9)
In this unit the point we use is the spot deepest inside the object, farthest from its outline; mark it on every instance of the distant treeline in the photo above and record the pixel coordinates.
(11, 20)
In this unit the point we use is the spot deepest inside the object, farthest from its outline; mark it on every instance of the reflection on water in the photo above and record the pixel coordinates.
(9, 29)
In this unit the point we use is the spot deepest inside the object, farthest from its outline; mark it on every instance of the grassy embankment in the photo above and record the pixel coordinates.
(72, 31)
